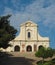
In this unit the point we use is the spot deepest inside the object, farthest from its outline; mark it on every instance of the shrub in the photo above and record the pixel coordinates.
(47, 63)
(53, 61)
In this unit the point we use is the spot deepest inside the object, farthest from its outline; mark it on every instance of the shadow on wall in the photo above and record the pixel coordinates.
(9, 60)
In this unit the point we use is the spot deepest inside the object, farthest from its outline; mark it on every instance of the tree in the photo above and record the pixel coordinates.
(49, 52)
(54, 51)
(44, 53)
(7, 32)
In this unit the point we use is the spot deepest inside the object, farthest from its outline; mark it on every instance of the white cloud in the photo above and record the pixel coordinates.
(46, 15)
(8, 11)
(35, 12)
(49, 15)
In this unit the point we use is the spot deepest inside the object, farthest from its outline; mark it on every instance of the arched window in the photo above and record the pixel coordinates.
(28, 34)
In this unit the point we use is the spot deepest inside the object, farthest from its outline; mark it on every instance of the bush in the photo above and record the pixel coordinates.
(54, 52)
(44, 63)
(40, 62)
(53, 61)
(47, 63)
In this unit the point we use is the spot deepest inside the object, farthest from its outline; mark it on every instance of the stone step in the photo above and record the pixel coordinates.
(23, 53)
(29, 55)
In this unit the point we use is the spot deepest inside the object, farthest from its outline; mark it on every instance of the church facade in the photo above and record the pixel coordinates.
(28, 39)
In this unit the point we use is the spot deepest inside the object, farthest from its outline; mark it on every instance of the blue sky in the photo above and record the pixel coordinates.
(41, 12)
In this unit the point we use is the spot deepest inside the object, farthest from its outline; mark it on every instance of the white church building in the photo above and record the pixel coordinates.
(28, 40)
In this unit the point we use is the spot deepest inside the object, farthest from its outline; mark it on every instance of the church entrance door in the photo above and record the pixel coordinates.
(29, 48)
(17, 48)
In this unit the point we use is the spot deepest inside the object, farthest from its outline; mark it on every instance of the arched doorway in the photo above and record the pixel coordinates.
(17, 48)
(29, 48)
(40, 47)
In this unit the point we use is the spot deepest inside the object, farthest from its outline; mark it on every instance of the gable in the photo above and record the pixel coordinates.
(29, 23)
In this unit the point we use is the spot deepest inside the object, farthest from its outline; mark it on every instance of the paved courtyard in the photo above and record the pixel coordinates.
(16, 58)
(19, 59)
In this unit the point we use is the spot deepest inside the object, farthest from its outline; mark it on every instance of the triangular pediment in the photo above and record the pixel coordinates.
(29, 23)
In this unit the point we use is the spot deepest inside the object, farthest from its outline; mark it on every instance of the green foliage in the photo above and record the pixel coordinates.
(53, 61)
(49, 52)
(41, 53)
(44, 53)
(54, 52)
(45, 63)
(40, 62)
(7, 32)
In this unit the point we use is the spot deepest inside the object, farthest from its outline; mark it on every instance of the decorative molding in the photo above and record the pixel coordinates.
(31, 41)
